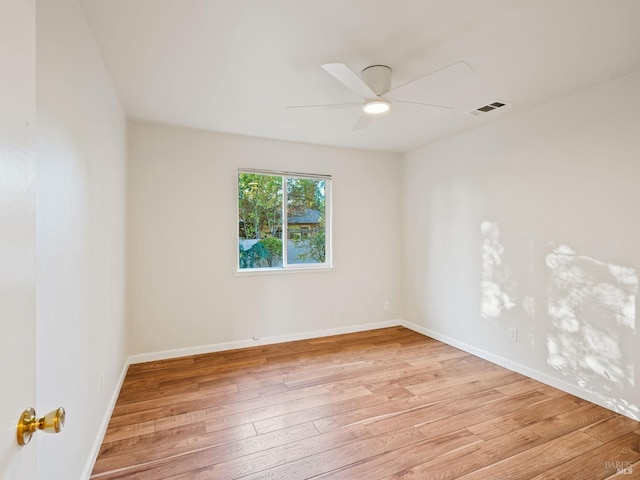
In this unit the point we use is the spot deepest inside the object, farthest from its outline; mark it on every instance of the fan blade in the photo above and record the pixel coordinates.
(330, 105)
(350, 79)
(425, 104)
(440, 84)
(363, 122)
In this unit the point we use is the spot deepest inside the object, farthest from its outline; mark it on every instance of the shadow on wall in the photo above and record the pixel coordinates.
(590, 319)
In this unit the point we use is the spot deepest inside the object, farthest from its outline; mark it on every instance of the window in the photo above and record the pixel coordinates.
(283, 220)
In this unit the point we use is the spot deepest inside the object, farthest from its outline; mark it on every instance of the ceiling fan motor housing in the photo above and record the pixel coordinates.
(378, 77)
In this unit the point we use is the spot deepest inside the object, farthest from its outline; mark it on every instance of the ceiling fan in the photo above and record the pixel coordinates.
(373, 85)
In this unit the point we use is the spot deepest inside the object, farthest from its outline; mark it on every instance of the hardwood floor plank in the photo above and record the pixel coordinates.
(537, 412)
(128, 431)
(234, 414)
(233, 453)
(529, 463)
(275, 457)
(523, 386)
(191, 399)
(432, 419)
(571, 421)
(409, 411)
(331, 409)
(166, 443)
(611, 428)
(400, 459)
(481, 414)
(454, 378)
(313, 465)
(386, 403)
(247, 410)
(305, 403)
(141, 442)
(619, 454)
(460, 462)
(160, 365)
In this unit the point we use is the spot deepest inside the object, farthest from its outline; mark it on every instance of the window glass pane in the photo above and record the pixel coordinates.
(305, 220)
(259, 220)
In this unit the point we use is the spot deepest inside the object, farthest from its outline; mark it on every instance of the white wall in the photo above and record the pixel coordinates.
(80, 238)
(183, 241)
(532, 223)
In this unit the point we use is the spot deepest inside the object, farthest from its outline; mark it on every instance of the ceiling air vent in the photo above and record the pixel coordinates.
(487, 108)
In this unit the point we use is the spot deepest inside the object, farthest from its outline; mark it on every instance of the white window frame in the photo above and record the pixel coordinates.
(286, 266)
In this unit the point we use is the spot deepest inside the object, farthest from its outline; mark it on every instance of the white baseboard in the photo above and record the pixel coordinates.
(478, 352)
(219, 347)
(95, 448)
(545, 378)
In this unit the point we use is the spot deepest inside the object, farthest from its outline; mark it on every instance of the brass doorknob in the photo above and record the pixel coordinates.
(28, 424)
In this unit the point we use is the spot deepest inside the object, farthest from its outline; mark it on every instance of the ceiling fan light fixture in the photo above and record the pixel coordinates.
(376, 107)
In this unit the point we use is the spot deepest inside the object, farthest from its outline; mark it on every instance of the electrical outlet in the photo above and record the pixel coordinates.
(341, 307)
(386, 305)
(513, 334)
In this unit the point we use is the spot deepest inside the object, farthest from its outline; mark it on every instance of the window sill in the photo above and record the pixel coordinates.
(279, 271)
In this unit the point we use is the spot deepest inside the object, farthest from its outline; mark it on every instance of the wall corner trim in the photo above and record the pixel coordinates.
(97, 443)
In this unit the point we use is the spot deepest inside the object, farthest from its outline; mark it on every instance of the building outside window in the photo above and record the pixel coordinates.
(266, 241)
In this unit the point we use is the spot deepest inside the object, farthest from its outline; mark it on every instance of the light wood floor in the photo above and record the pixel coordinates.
(382, 404)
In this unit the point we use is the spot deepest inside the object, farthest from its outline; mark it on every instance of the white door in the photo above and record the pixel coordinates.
(17, 235)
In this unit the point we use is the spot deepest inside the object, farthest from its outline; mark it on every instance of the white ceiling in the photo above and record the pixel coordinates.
(234, 65)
